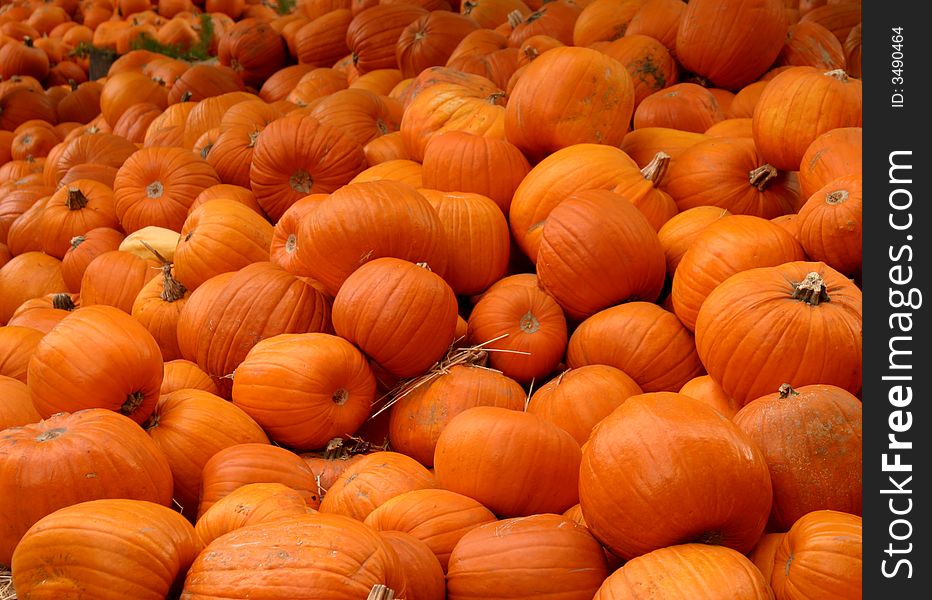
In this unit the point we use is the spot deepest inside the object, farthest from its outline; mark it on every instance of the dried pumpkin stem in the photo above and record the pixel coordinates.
(838, 74)
(380, 592)
(786, 390)
(811, 290)
(133, 401)
(655, 170)
(762, 175)
(76, 199)
(63, 301)
(837, 197)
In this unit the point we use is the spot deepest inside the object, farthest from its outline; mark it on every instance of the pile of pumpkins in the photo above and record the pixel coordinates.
(427, 299)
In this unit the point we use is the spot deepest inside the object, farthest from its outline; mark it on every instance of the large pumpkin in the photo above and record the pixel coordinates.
(66, 459)
(753, 320)
(672, 461)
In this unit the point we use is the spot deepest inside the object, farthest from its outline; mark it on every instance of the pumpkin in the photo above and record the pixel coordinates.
(27, 276)
(135, 120)
(852, 49)
(17, 345)
(819, 557)
(230, 191)
(429, 40)
(16, 409)
(275, 301)
(115, 278)
(44, 313)
(285, 233)
(403, 170)
(810, 44)
(304, 389)
(420, 414)
(719, 251)
(322, 41)
(677, 234)
(522, 327)
(770, 314)
(180, 374)
(253, 49)
(511, 557)
(373, 34)
(158, 305)
(421, 568)
(515, 463)
(328, 556)
(706, 389)
(371, 481)
(210, 113)
(650, 64)
(23, 59)
(90, 548)
(360, 113)
(652, 458)
(74, 209)
(142, 241)
(684, 106)
(62, 461)
(623, 260)
(836, 153)
(730, 173)
(731, 42)
(220, 236)
(808, 436)
(204, 80)
(577, 399)
(830, 225)
(399, 313)
(279, 84)
(789, 115)
(541, 118)
(248, 505)
(298, 155)
(721, 573)
(763, 552)
(633, 337)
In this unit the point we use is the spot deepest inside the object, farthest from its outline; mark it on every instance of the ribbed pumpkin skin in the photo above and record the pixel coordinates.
(820, 557)
(250, 504)
(425, 577)
(597, 249)
(633, 337)
(512, 558)
(708, 572)
(373, 34)
(92, 550)
(750, 323)
(833, 154)
(181, 373)
(720, 251)
(811, 438)
(16, 408)
(17, 345)
(542, 117)
(45, 466)
(97, 356)
(307, 557)
(731, 42)
(400, 314)
(671, 460)
(190, 426)
(830, 224)
(515, 463)
(797, 106)
(437, 517)
(365, 221)
(304, 389)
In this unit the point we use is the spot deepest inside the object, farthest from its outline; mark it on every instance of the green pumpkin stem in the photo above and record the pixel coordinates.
(811, 290)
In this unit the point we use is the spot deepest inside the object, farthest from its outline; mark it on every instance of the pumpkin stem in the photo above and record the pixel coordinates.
(253, 138)
(73, 84)
(152, 422)
(133, 401)
(301, 181)
(51, 434)
(656, 168)
(340, 397)
(496, 97)
(515, 18)
(529, 323)
(786, 390)
(172, 289)
(76, 199)
(762, 175)
(811, 290)
(77, 241)
(155, 190)
(63, 301)
(838, 74)
(380, 592)
(28, 41)
(837, 197)
(713, 538)
(291, 244)
(186, 96)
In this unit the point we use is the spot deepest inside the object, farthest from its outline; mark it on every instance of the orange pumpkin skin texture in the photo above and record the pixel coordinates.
(577, 399)
(731, 42)
(16, 409)
(789, 115)
(819, 557)
(250, 504)
(763, 552)
(180, 374)
(59, 453)
(254, 462)
(511, 558)
(678, 233)
(155, 186)
(418, 418)
(833, 154)
(305, 389)
(813, 466)
(373, 480)
(650, 64)
(727, 246)
(751, 322)
(732, 174)
(425, 577)
(429, 41)
(399, 313)
(438, 517)
(17, 344)
(622, 258)
(632, 337)
(541, 117)
(298, 155)
(515, 463)
(307, 557)
(25, 276)
(830, 225)
(683, 106)
(708, 390)
(93, 551)
(524, 321)
(124, 375)
(253, 49)
(652, 457)
(190, 426)
(365, 221)
(709, 572)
